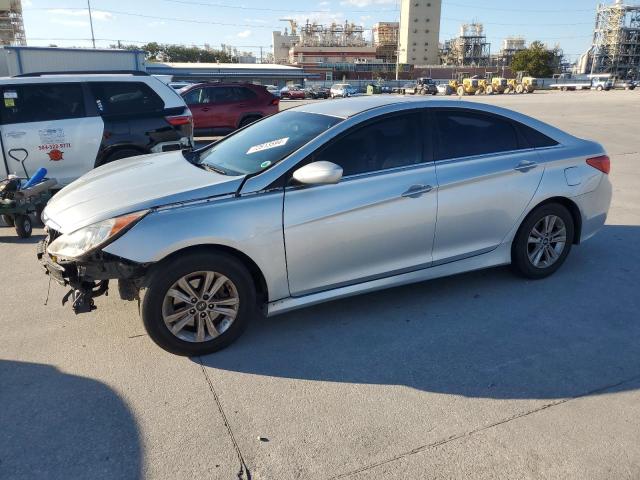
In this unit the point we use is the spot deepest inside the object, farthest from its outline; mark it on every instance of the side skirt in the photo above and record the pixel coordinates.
(499, 256)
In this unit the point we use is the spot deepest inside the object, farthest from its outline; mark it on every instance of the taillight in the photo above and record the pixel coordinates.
(602, 163)
(275, 101)
(177, 120)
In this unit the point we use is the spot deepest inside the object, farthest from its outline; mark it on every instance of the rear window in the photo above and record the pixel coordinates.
(467, 133)
(536, 139)
(121, 98)
(41, 102)
(265, 143)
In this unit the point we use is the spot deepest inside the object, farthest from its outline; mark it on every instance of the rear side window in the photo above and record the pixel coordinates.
(536, 139)
(121, 98)
(197, 96)
(41, 102)
(465, 133)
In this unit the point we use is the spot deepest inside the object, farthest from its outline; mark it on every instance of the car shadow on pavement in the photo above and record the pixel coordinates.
(59, 426)
(483, 334)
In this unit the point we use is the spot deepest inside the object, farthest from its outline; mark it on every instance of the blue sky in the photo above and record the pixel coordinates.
(249, 23)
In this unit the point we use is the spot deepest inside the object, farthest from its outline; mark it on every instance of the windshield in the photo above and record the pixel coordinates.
(264, 144)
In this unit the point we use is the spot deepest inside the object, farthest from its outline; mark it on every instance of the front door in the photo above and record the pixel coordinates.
(486, 178)
(47, 124)
(378, 221)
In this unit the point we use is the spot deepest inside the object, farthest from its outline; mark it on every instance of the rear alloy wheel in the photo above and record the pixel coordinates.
(543, 241)
(198, 304)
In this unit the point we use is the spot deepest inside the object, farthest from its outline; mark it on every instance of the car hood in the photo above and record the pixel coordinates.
(133, 184)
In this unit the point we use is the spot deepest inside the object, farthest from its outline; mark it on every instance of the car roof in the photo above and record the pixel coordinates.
(54, 78)
(349, 107)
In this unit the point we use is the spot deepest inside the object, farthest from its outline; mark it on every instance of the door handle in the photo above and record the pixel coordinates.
(415, 191)
(205, 109)
(525, 166)
(16, 134)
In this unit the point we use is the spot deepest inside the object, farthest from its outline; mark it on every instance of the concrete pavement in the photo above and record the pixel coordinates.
(482, 375)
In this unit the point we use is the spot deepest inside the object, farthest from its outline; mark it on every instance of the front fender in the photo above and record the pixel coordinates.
(251, 224)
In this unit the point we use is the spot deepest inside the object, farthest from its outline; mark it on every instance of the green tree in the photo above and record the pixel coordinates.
(157, 52)
(537, 60)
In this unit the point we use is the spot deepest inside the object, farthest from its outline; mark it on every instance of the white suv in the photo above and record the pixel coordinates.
(71, 123)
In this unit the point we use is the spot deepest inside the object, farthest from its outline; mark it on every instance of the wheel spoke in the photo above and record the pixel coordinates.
(211, 328)
(551, 223)
(228, 301)
(552, 254)
(538, 255)
(217, 285)
(534, 240)
(227, 312)
(179, 295)
(176, 316)
(536, 233)
(181, 324)
(208, 279)
(184, 285)
(200, 332)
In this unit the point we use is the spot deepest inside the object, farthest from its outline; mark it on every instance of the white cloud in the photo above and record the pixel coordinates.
(95, 14)
(366, 3)
(244, 34)
(324, 4)
(70, 23)
(156, 23)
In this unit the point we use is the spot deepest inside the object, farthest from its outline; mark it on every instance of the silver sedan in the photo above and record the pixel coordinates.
(320, 202)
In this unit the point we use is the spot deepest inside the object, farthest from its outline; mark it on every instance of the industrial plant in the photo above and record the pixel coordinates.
(11, 23)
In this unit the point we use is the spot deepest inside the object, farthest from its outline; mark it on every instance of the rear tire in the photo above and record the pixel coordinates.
(8, 220)
(23, 225)
(532, 236)
(164, 278)
(120, 154)
(246, 121)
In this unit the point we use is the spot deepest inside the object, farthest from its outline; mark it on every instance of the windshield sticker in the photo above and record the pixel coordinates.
(9, 102)
(10, 94)
(265, 164)
(266, 146)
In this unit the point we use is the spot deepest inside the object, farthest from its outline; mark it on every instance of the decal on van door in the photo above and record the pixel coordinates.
(55, 155)
(52, 140)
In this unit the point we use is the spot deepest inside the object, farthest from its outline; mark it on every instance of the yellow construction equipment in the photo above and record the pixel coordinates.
(465, 85)
(495, 84)
(523, 83)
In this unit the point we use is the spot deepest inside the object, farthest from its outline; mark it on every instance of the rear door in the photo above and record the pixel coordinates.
(377, 221)
(487, 175)
(200, 105)
(47, 125)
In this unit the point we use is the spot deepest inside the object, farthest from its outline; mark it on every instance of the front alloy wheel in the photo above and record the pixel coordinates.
(198, 303)
(543, 241)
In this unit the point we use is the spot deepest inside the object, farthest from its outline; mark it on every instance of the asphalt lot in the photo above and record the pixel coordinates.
(483, 375)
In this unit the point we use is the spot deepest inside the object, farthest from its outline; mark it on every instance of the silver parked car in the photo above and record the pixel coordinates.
(319, 202)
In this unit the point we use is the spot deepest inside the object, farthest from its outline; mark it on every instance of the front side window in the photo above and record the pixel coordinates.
(41, 102)
(383, 144)
(463, 134)
(119, 98)
(265, 143)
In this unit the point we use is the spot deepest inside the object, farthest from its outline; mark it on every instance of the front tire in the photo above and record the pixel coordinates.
(198, 303)
(543, 241)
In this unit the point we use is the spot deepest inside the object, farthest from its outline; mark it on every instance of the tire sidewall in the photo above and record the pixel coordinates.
(164, 275)
(519, 257)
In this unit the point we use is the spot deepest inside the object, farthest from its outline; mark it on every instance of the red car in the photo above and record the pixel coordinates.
(220, 108)
(294, 93)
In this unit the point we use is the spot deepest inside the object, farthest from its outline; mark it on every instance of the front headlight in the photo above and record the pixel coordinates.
(78, 243)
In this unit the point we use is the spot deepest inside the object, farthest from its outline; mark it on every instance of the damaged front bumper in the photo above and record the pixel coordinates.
(88, 277)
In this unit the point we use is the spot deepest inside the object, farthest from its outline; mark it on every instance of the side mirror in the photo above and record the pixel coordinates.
(318, 173)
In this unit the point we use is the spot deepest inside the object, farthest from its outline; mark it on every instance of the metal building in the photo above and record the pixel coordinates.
(470, 48)
(17, 60)
(11, 23)
(616, 40)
